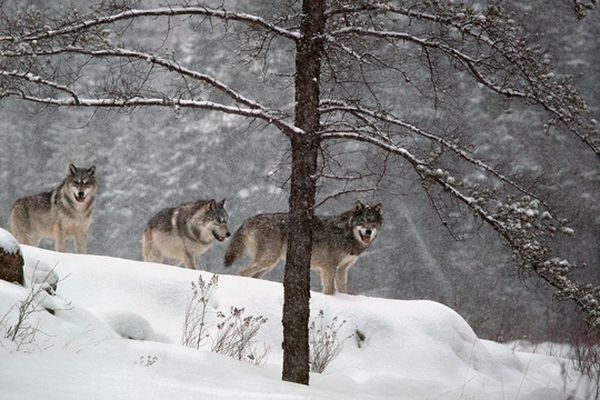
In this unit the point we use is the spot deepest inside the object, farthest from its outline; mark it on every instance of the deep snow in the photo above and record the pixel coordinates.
(411, 349)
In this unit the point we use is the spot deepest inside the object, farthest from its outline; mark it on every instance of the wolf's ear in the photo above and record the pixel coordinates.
(91, 170)
(379, 208)
(221, 204)
(212, 204)
(72, 169)
(358, 206)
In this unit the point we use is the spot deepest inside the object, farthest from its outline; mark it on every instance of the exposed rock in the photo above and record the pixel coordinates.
(11, 260)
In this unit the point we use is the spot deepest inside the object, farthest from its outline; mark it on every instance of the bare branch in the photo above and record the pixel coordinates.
(540, 89)
(527, 246)
(169, 65)
(331, 106)
(133, 102)
(83, 26)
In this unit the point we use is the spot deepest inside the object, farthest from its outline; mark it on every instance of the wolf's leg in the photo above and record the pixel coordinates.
(262, 273)
(154, 256)
(28, 239)
(264, 257)
(341, 278)
(188, 260)
(263, 260)
(81, 242)
(22, 237)
(148, 253)
(17, 231)
(59, 239)
(256, 269)
(327, 277)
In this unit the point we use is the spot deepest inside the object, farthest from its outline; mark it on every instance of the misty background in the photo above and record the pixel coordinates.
(151, 158)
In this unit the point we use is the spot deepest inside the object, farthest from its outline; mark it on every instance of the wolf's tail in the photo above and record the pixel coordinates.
(237, 245)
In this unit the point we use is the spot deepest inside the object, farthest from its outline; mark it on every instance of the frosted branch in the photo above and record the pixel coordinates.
(133, 102)
(338, 106)
(528, 246)
(169, 65)
(27, 76)
(85, 25)
(557, 99)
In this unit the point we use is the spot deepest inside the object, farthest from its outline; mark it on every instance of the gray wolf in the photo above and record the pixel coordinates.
(183, 233)
(62, 213)
(337, 242)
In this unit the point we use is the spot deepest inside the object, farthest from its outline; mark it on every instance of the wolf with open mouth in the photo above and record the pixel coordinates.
(60, 214)
(181, 234)
(338, 240)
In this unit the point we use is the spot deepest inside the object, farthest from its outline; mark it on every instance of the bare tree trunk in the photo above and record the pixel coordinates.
(305, 150)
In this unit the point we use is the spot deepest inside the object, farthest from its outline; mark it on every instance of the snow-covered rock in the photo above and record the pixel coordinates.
(11, 260)
(8, 243)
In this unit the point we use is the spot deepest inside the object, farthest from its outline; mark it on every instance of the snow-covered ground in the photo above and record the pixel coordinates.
(411, 349)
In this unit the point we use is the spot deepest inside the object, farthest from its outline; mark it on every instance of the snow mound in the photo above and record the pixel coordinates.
(130, 325)
(38, 272)
(392, 348)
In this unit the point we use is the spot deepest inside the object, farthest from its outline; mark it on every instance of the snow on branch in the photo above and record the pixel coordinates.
(102, 20)
(133, 102)
(517, 221)
(27, 76)
(582, 7)
(504, 62)
(339, 106)
(169, 65)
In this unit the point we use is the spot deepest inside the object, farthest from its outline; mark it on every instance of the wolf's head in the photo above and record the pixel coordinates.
(365, 221)
(211, 219)
(81, 183)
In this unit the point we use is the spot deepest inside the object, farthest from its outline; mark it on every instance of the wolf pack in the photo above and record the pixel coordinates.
(180, 235)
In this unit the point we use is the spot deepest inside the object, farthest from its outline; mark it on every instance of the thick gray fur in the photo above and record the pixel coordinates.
(183, 233)
(65, 212)
(337, 242)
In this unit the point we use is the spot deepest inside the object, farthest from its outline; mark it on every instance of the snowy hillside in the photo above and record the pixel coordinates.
(408, 349)
(150, 158)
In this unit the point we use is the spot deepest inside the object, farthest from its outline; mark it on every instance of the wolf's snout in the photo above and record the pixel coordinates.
(80, 196)
(368, 232)
(220, 238)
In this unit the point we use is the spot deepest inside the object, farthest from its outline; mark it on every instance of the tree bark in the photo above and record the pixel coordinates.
(305, 151)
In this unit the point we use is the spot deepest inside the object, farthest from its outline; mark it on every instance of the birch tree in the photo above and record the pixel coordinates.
(348, 60)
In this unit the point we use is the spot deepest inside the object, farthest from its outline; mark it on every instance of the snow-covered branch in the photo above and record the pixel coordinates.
(515, 223)
(502, 56)
(102, 20)
(27, 76)
(330, 106)
(133, 102)
(170, 65)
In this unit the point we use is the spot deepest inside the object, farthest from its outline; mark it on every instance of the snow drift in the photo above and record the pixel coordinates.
(114, 328)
